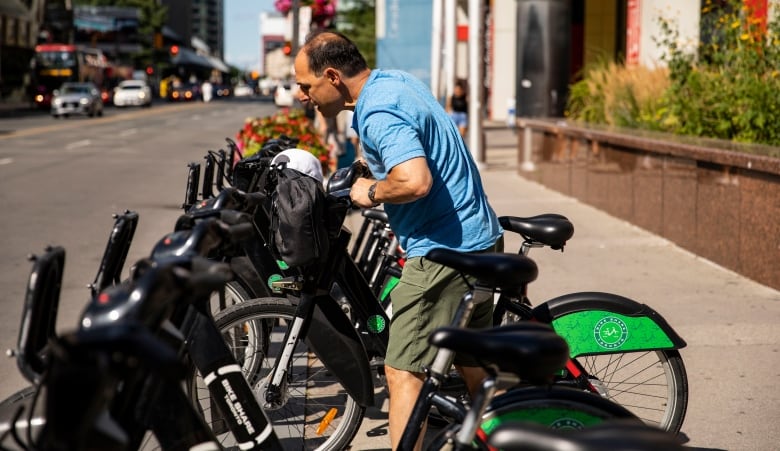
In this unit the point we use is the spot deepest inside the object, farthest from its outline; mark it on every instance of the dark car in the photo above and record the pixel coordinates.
(185, 92)
(76, 98)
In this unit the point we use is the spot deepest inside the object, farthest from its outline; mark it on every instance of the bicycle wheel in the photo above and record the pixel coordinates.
(316, 412)
(234, 293)
(558, 408)
(651, 384)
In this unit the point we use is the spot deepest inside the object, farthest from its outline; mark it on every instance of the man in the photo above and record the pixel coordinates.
(432, 193)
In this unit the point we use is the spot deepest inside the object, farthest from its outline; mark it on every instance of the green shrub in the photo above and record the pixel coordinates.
(726, 88)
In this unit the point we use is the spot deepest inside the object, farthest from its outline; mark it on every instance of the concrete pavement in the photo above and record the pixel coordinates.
(729, 322)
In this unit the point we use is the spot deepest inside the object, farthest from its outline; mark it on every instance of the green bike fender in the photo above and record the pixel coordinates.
(605, 323)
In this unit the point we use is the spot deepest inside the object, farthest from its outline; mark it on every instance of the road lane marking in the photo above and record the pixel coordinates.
(128, 132)
(4, 161)
(77, 144)
(161, 109)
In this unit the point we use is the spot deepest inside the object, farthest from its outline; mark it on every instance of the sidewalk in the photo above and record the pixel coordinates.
(728, 321)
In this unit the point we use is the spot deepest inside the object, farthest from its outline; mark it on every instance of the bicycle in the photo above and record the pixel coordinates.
(550, 230)
(142, 303)
(117, 375)
(525, 355)
(646, 374)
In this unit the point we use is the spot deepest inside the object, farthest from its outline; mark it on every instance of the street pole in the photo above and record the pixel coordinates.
(296, 8)
(476, 140)
(436, 48)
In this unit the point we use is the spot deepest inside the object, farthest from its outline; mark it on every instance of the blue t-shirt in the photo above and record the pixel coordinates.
(397, 119)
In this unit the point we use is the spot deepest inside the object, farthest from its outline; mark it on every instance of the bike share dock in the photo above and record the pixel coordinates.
(729, 321)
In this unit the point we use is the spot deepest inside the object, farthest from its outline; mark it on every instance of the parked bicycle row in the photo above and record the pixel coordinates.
(259, 322)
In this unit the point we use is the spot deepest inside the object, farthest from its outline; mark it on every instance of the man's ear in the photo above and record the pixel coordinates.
(333, 75)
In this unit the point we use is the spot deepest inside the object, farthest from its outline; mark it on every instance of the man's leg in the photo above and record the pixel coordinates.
(404, 388)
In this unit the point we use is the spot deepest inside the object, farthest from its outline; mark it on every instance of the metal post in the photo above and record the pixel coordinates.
(295, 9)
(450, 33)
(476, 138)
(436, 38)
(527, 164)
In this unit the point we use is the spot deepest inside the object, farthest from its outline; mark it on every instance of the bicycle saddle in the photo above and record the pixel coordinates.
(549, 229)
(531, 351)
(494, 269)
(616, 435)
(375, 213)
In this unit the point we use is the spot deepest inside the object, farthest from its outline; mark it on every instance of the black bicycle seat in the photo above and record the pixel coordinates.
(616, 435)
(375, 213)
(549, 229)
(532, 351)
(494, 269)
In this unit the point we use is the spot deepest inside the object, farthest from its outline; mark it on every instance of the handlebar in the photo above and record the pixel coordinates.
(341, 181)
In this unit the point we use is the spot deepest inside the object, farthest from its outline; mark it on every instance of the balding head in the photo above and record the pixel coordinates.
(325, 49)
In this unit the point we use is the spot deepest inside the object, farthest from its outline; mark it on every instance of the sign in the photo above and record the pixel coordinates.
(633, 31)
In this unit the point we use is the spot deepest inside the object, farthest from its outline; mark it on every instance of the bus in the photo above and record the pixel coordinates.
(54, 64)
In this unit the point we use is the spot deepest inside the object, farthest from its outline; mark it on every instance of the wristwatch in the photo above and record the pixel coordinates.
(372, 193)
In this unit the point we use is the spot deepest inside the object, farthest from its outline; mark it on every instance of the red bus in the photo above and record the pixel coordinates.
(54, 64)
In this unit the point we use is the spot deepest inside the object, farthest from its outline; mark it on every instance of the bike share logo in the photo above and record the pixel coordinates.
(567, 423)
(610, 332)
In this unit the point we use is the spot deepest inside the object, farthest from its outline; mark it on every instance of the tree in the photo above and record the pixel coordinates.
(152, 18)
(359, 23)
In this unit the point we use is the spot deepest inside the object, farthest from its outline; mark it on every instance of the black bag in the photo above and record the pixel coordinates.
(298, 219)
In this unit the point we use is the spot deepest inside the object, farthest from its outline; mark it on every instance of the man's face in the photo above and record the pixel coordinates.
(322, 90)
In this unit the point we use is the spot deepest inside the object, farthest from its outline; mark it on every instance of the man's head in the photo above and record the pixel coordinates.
(324, 67)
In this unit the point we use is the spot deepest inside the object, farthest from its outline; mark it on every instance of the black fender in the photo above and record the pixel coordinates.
(334, 340)
(577, 316)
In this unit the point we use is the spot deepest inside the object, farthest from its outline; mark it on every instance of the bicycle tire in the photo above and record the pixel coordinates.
(558, 408)
(234, 293)
(254, 330)
(651, 384)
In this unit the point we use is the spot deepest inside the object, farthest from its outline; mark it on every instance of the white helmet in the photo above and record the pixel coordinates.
(300, 160)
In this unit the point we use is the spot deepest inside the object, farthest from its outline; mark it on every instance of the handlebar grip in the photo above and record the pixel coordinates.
(233, 217)
(240, 232)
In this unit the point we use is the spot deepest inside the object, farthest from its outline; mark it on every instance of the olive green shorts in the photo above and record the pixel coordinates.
(426, 298)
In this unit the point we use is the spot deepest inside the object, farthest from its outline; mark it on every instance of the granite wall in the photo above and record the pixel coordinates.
(717, 199)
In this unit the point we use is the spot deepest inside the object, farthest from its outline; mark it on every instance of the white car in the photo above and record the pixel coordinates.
(284, 95)
(243, 90)
(132, 93)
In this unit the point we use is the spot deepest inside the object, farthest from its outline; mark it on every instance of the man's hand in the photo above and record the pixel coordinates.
(359, 193)
(406, 182)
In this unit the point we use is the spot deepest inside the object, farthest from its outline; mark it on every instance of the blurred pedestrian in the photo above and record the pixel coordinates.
(458, 107)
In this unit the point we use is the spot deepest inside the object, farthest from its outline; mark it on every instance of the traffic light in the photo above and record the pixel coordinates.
(174, 50)
(149, 70)
(287, 48)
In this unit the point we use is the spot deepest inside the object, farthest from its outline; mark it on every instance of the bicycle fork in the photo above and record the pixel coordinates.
(229, 390)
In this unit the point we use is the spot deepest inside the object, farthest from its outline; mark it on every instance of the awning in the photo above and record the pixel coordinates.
(188, 57)
(15, 9)
(219, 65)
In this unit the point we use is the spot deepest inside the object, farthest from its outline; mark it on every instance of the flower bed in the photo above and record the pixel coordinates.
(289, 122)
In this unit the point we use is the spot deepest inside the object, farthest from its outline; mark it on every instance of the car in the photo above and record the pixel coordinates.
(221, 90)
(284, 95)
(77, 98)
(243, 90)
(132, 93)
(185, 92)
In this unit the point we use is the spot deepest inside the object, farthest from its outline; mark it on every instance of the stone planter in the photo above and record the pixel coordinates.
(717, 199)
